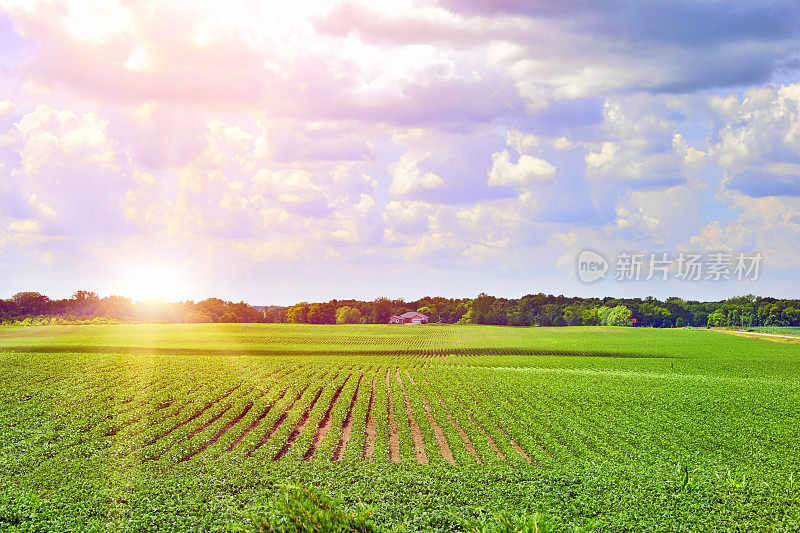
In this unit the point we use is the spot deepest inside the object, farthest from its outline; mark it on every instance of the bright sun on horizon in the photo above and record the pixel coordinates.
(153, 281)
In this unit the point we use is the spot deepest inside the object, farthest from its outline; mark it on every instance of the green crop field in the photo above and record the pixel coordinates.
(777, 330)
(438, 428)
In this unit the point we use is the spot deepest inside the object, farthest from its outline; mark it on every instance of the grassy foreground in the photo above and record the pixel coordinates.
(199, 427)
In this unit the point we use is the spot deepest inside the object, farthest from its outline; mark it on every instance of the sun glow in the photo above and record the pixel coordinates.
(154, 281)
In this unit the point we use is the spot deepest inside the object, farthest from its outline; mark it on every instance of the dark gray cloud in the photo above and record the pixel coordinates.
(580, 49)
(682, 22)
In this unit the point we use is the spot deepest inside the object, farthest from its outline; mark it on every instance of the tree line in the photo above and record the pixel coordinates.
(548, 310)
(531, 310)
(33, 308)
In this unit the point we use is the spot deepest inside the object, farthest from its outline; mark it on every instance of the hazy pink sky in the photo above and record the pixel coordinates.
(277, 152)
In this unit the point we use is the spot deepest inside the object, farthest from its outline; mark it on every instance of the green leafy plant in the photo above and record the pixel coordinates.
(300, 510)
(500, 523)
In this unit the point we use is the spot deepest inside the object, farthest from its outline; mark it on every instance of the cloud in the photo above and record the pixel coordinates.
(669, 21)
(138, 52)
(583, 49)
(355, 138)
(407, 177)
(422, 26)
(66, 172)
(756, 141)
(270, 62)
(644, 148)
(160, 135)
(525, 171)
(770, 225)
(296, 140)
(446, 234)
(453, 66)
(24, 226)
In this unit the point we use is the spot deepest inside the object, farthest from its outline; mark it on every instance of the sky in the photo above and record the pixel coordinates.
(278, 152)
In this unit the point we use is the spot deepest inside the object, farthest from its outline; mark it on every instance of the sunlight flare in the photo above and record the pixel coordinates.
(154, 281)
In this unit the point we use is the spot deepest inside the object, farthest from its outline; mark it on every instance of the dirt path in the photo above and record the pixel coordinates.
(416, 434)
(347, 424)
(256, 422)
(369, 423)
(191, 417)
(489, 439)
(279, 421)
(769, 336)
(441, 440)
(461, 433)
(204, 426)
(301, 425)
(516, 446)
(325, 424)
(220, 433)
(394, 436)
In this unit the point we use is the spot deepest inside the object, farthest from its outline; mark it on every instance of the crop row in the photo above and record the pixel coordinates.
(445, 408)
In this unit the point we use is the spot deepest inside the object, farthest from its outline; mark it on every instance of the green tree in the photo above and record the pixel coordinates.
(517, 318)
(212, 307)
(319, 313)
(297, 314)
(381, 310)
(228, 317)
(575, 320)
(348, 315)
(194, 317)
(430, 312)
(791, 316)
(30, 303)
(590, 317)
(619, 316)
(717, 318)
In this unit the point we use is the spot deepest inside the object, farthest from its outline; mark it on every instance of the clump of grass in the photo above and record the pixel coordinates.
(499, 523)
(300, 510)
(487, 522)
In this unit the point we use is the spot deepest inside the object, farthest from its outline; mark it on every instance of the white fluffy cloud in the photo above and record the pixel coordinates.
(525, 171)
(67, 172)
(756, 141)
(407, 177)
(642, 149)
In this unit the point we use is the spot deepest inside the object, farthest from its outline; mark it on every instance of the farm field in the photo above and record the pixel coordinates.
(439, 428)
(776, 330)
